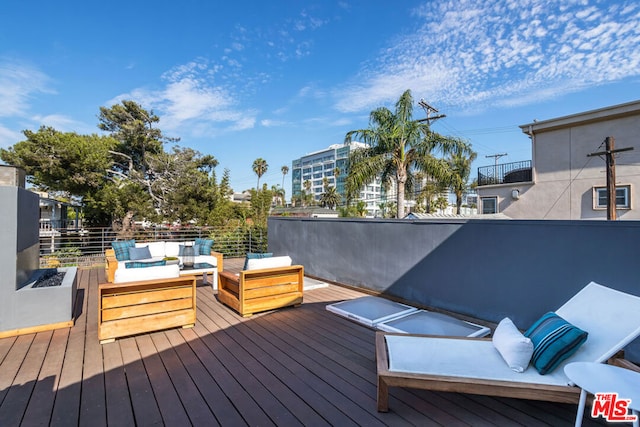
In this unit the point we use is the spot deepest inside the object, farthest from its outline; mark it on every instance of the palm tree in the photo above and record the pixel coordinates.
(285, 170)
(397, 146)
(260, 167)
(308, 197)
(330, 198)
(460, 164)
(278, 194)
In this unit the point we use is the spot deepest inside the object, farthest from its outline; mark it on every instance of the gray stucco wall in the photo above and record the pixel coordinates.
(487, 269)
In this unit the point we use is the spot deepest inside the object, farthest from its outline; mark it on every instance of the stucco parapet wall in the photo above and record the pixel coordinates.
(587, 117)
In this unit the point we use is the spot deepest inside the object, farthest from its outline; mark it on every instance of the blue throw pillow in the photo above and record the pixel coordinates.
(554, 340)
(205, 246)
(136, 254)
(143, 264)
(251, 255)
(121, 249)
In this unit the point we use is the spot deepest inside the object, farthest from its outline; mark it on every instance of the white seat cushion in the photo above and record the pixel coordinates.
(124, 275)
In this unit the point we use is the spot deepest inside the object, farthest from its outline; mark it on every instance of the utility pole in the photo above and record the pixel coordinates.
(611, 173)
(428, 109)
(495, 164)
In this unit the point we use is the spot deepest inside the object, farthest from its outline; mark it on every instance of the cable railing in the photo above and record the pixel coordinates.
(85, 247)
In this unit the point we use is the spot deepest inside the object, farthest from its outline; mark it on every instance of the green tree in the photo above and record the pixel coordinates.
(133, 127)
(397, 146)
(330, 198)
(62, 162)
(260, 205)
(183, 186)
(260, 167)
(460, 164)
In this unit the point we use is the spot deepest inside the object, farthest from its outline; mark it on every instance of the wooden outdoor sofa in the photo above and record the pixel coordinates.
(145, 306)
(112, 263)
(252, 291)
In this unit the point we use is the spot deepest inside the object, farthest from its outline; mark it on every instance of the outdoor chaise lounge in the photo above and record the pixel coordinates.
(473, 365)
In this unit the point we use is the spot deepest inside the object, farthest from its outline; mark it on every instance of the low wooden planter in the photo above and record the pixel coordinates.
(252, 291)
(137, 307)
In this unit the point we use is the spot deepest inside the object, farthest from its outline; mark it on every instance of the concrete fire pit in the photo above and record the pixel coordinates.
(24, 307)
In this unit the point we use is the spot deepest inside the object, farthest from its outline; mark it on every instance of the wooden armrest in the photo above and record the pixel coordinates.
(227, 275)
(220, 257)
(111, 265)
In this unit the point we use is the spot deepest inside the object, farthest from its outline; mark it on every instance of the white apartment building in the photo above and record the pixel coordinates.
(316, 166)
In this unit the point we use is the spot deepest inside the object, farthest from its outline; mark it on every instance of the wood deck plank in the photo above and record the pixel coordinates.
(41, 402)
(5, 347)
(281, 381)
(66, 408)
(293, 366)
(118, 401)
(173, 413)
(10, 366)
(16, 401)
(143, 401)
(194, 404)
(93, 410)
(207, 352)
(230, 355)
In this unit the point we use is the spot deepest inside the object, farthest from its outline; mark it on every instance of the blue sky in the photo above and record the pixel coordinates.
(246, 79)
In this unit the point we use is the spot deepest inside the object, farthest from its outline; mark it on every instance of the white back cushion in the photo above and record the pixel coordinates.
(172, 248)
(272, 262)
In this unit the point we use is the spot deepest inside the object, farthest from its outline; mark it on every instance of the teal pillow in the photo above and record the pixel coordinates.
(205, 246)
(121, 249)
(143, 264)
(255, 256)
(554, 340)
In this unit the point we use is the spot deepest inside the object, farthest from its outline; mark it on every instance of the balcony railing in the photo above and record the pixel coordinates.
(505, 173)
(85, 247)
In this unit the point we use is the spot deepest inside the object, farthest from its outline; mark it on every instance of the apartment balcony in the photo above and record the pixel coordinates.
(505, 173)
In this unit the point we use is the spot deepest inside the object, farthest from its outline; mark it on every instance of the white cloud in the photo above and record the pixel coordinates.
(507, 52)
(18, 84)
(61, 123)
(8, 137)
(192, 101)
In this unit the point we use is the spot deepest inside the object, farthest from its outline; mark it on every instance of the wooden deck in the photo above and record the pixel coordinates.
(294, 366)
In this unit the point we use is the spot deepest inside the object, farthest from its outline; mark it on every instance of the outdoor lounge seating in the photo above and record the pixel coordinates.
(473, 365)
(265, 284)
(117, 272)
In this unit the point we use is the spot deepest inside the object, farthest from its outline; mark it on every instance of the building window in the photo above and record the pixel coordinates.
(623, 197)
(489, 205)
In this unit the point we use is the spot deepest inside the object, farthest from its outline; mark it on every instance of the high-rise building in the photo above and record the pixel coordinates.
(309, 171)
